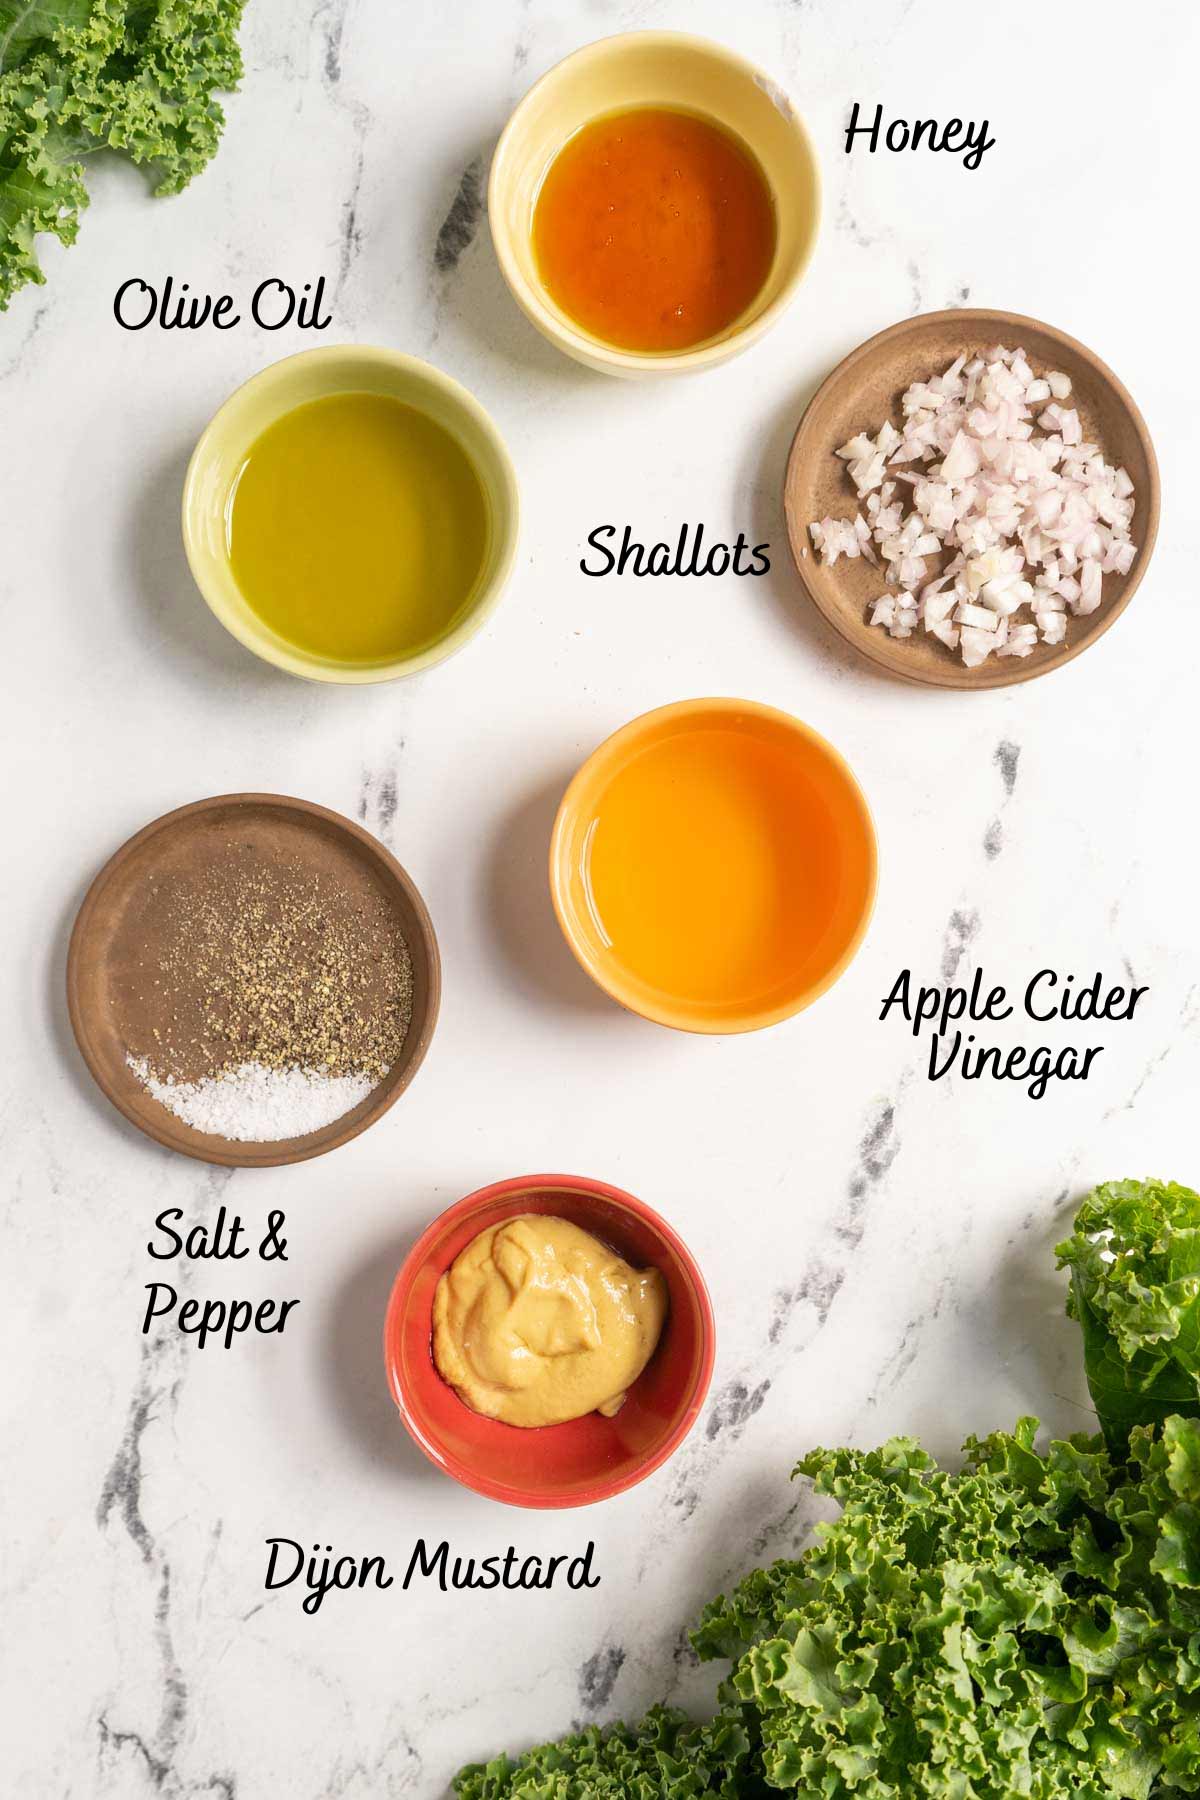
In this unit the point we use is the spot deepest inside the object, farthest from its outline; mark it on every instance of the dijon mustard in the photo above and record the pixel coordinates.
(537, 1322)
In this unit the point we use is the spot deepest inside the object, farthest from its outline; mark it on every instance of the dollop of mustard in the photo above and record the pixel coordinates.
(537, 1322)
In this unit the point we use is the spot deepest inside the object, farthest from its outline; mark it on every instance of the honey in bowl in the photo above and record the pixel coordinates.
(654, 229)
(714, 865)
(357, 529)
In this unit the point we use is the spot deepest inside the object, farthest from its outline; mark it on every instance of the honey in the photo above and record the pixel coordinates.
(654, 229)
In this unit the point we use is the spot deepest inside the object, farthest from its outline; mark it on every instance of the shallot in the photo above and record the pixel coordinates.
(1033, 523)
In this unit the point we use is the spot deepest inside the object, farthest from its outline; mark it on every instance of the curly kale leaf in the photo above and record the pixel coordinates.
(666, 1757)
(1134, 1258)
(77, 76)
(1029, 1626)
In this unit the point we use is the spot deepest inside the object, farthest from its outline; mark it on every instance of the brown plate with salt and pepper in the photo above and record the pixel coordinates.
(253, 980)
(863, 391)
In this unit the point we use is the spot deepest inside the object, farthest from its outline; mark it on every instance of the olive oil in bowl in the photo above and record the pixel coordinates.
(357, 529)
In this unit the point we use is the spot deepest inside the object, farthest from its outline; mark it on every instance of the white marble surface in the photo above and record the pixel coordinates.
(877, 1246)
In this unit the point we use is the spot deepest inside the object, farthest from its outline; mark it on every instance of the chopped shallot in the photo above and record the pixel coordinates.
(1030, 522)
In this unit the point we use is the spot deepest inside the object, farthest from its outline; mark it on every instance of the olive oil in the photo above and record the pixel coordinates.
(357, 529)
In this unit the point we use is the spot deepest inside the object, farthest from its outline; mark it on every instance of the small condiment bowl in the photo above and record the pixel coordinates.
(584, 1460)
(104, 946)
(654, 68)
(827, 774)
(866, 388)
(221, 453)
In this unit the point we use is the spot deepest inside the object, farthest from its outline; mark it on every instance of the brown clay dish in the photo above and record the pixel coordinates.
(310, 837)
(864, 390)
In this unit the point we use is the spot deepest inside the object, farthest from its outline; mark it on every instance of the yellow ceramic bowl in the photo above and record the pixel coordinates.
(787, 822)
(654, 68)
(339, 369)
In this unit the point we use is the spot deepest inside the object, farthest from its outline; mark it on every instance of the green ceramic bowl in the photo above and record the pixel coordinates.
(339, 369)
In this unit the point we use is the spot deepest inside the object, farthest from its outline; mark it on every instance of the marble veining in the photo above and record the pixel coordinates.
(458, 229)
(879, 1246)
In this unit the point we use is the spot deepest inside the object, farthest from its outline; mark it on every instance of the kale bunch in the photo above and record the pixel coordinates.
(1027, 1625)
(77, 76)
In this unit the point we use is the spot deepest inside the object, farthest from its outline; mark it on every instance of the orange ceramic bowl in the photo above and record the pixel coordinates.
(587, 1459)
(713, 865)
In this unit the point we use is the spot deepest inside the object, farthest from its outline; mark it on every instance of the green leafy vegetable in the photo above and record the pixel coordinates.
(1027, 1626)
(1134, 1259)
(667, 1755)
(77, 76)
(1030, 1625)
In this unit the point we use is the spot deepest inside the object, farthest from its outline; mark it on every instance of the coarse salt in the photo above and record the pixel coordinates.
(255, 1104)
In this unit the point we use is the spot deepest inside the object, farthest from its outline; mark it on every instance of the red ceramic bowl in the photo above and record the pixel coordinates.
(586, 1459)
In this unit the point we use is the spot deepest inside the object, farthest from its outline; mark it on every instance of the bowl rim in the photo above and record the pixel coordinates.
(511, 1494)
(594, 351)
(269, 1153)
(238, 618)
(875, 648)
(632, 732)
